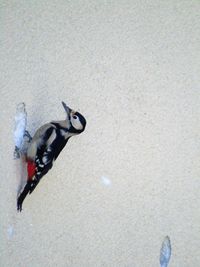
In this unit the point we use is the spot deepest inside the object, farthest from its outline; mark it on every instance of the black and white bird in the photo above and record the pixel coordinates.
(46, 145)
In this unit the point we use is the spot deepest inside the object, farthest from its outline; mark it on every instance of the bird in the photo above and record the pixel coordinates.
(46, 145)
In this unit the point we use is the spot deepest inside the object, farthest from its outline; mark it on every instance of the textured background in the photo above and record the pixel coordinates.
(132, 68)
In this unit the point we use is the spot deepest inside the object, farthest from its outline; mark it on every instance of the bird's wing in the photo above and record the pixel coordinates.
(45, 155)
(37, 169)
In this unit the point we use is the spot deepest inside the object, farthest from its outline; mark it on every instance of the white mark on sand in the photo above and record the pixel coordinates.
(165, 252)
(20, 127)
(106, 181)
(10, 232)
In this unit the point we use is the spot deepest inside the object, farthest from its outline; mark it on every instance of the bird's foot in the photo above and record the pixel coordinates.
(27, 134)
(16, 153)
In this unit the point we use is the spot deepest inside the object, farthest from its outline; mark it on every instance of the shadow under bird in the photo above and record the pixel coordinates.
(46, 145)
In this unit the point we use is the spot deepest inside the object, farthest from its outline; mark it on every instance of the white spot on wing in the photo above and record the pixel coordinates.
(41, 165)
(45, 159)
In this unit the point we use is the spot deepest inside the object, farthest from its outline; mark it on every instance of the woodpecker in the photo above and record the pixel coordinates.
(45, 146)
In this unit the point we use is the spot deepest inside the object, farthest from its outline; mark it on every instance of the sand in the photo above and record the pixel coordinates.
(132, 68)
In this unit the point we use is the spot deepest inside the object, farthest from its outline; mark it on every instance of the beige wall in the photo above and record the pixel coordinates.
(132, 68)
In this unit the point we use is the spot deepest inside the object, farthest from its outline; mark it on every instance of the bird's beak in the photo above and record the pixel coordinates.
(67, 109)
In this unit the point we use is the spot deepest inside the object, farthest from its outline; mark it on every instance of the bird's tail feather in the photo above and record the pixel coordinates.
(23, 195)
(33, 185)
(28, 189)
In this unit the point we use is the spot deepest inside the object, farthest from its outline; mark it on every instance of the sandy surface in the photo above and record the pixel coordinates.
(132, 68)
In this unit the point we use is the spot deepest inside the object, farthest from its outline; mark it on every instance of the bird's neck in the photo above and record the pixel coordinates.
(64, 124)
(65, 128)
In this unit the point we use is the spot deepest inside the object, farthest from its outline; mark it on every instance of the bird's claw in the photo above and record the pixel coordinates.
(16, 153)
(27, 134)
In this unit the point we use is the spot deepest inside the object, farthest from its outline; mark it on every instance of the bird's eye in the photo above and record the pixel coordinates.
(75, 117)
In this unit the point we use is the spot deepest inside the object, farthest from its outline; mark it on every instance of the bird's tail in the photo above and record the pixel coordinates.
(28, 189)
(23, 195)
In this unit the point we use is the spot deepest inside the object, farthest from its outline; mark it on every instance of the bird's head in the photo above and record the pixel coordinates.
(76, 120)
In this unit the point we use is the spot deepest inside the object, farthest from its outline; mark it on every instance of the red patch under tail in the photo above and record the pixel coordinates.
(31, 167)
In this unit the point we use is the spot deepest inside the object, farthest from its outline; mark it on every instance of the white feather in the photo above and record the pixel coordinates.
(20, 125)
